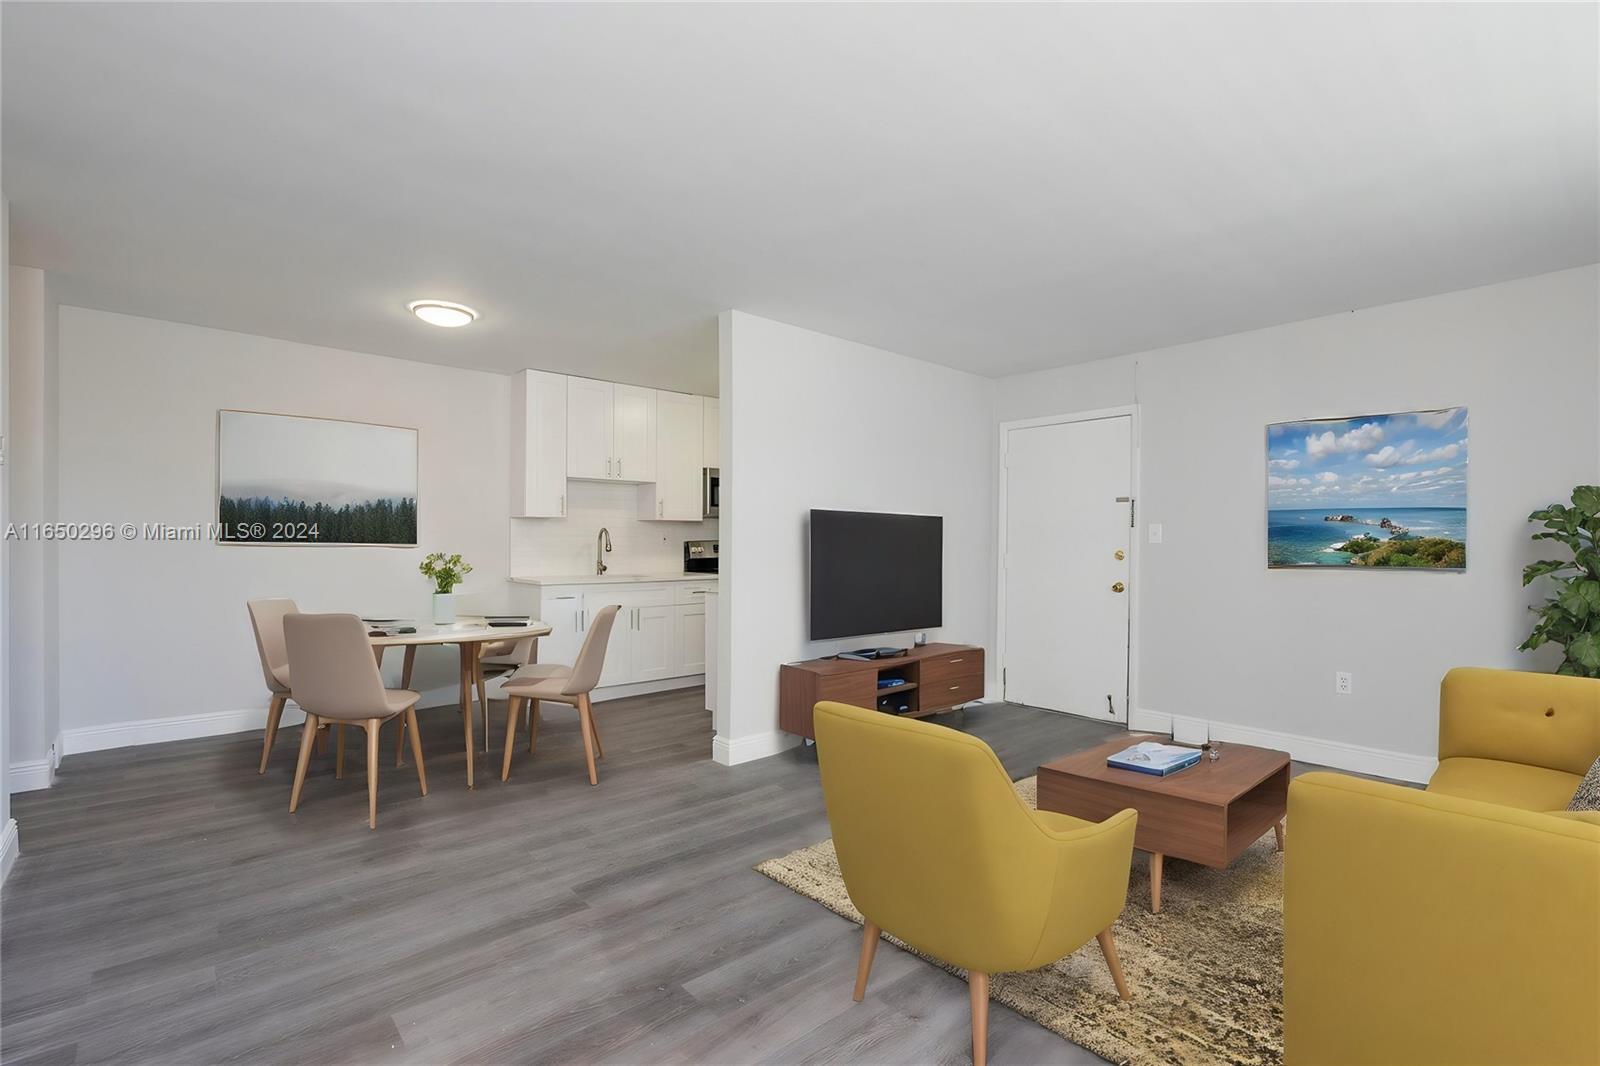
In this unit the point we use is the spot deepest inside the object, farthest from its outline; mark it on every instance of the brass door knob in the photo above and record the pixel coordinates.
(1119, 555)
(1118, 587)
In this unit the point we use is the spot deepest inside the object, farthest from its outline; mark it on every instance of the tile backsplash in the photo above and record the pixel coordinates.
(552, 547)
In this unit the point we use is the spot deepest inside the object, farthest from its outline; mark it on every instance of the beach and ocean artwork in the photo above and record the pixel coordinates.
(1378, 491)
(288, 479)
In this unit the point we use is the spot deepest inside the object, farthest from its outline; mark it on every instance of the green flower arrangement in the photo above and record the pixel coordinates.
(445, 571)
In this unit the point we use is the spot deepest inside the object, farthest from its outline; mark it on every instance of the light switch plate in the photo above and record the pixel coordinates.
(1155, 532)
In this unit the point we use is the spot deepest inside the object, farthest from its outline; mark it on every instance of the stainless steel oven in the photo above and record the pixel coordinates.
(699, 556)
(711, 492)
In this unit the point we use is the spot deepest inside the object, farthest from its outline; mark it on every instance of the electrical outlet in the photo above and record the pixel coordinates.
(1342, 682)
(1155, 532)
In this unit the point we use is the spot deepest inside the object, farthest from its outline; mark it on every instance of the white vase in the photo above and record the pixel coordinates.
(444, 608)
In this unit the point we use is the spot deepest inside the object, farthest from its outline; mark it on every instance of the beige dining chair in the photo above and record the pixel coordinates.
(336, 679)
(266, 618)
(561, 684)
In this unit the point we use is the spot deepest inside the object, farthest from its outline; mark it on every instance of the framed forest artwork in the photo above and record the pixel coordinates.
(290, 479)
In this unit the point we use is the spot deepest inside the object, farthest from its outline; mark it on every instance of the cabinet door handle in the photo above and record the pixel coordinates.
(563, 503)
(954, 661)
(661, 508)
(608, 467)
(619, 466)
(954, 687)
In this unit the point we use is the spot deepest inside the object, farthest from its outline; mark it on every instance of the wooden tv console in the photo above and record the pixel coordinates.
(938, 677)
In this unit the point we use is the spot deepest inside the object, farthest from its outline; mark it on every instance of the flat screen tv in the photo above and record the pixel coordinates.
(875, 573)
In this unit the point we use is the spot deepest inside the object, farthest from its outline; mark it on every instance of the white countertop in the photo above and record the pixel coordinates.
(612, 579)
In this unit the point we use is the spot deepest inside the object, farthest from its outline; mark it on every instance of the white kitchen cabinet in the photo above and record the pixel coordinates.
(618, 667)
(562, 609)
(611, 431)
(659, 633)
(539, 445)
(589, 429)
(655, 642)
(691, 623)
(633, 432)
(674, 496)
(711, 433)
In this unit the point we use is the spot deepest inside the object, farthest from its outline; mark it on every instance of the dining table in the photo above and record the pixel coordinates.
(467, 633)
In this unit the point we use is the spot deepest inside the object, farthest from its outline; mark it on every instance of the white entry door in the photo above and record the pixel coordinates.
(1067, 538)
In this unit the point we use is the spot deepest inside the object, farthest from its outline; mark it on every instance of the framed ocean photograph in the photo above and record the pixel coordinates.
(291, 479)
(1381, 492)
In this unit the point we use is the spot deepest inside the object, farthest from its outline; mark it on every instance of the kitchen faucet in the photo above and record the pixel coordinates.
(602, 544)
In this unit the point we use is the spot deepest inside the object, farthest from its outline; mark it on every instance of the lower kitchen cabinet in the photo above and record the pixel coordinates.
(659, 632)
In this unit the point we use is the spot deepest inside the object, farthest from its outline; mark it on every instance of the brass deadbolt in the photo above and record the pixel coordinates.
(1119, 555)
(1118, 587)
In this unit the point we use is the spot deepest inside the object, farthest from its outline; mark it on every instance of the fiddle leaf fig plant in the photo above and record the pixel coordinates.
(1570, 617)
(446, 571)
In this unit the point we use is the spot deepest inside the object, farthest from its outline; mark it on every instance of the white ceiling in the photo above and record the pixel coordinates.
(995, 188)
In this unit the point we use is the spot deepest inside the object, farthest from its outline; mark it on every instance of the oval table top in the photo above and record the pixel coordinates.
(468, 629)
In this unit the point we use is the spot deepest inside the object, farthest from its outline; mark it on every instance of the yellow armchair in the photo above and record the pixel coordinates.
(937, 848)
(1515, 738)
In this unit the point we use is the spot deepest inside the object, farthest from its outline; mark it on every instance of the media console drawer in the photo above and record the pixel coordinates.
(934, 678)
(965, 665)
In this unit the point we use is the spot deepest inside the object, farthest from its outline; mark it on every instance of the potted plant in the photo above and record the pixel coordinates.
(1571, 617)
(446, 572)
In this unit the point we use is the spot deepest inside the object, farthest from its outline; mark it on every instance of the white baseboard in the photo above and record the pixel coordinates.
(218, 723)
(29, 776)
(748, 749)
(1357, 758)
(1143, 721)
(178, 727)
(10, 847)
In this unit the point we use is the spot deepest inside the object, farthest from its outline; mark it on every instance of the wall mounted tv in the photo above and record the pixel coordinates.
(875, 573)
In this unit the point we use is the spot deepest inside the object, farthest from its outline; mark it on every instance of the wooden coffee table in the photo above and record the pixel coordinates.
(1208, 813)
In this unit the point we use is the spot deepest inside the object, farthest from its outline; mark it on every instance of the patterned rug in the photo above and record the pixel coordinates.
(1206, 973)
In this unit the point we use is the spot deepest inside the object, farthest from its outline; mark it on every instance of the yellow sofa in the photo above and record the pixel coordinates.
(1460, 925)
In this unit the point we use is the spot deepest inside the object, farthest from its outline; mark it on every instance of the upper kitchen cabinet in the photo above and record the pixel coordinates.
(538, 445)
(589, 451)
(611, 431)
(711, 434)
(674, 496)
(633, 432)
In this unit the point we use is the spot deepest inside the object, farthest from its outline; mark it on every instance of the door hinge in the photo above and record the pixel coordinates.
(1130, 502)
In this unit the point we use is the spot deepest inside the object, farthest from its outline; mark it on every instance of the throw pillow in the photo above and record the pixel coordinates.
(1587, 798)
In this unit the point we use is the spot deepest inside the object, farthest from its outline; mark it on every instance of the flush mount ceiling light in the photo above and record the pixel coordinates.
(442, 313)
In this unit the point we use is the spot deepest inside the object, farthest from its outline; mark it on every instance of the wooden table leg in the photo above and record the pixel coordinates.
(1155, 882)
(483, 695)
(404, 719)
(1277, 832)
(468, 654)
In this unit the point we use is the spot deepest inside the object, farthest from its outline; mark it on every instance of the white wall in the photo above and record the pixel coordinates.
(1226, 640)
(9, 843)
(558, 547)
(30, 403)
(153, 630)
(810, 421)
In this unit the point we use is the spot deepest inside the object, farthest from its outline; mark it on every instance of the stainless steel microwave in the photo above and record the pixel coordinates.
(711, 492)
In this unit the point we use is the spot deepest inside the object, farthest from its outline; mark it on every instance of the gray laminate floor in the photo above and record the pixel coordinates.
(167, 908)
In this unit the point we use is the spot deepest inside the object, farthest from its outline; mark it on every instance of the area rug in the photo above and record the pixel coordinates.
(1206, 973)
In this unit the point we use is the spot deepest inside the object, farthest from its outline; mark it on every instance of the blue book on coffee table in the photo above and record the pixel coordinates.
(1159, 760)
